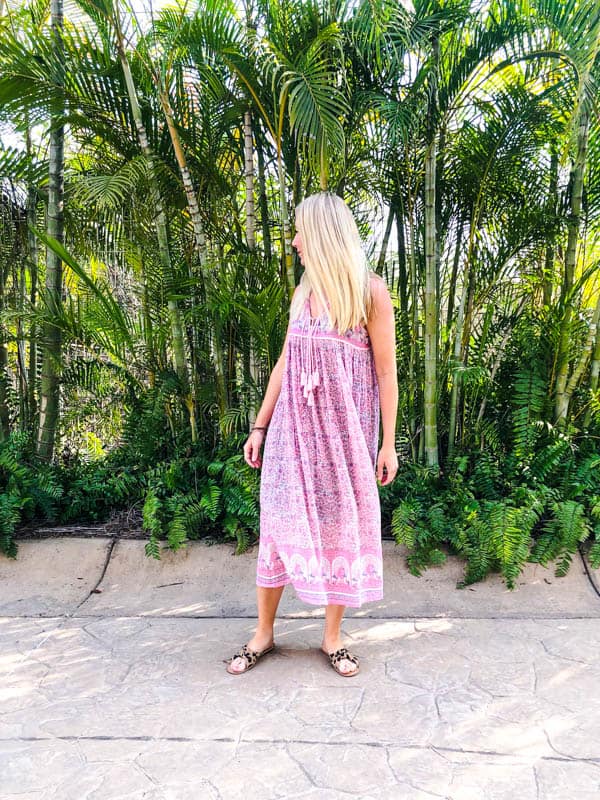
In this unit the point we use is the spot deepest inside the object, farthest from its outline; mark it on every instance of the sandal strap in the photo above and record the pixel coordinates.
(246, 653)
(343, 652)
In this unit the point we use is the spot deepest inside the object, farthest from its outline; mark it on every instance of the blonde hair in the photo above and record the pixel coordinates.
(335, 267)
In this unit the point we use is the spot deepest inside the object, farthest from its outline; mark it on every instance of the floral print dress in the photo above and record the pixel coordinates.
(320, 518)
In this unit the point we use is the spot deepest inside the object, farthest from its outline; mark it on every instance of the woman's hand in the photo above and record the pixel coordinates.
(252, 448)
(387, 459)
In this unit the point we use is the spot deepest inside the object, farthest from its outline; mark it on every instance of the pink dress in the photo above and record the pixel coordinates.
(320, 518)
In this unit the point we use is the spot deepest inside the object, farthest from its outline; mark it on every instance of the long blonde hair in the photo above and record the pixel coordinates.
(335, 266)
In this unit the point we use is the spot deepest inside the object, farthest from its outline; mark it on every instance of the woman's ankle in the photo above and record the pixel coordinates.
(264, 633)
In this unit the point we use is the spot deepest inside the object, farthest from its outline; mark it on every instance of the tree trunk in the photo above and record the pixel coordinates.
(286, 240)
(249, 176)
(413, 354)
(21, 282)
(147, 329)
(386, 240)
(403, 280)
(547, 278)
(186, 178)
(431, 327)
(4, 413)
(254, 364)
(454, 274)
(594, 373)
(457, 362)
(51, 336)
(584, 356)
(32, 199)
(263, 203)
(215, 333)
(561, 406)
(403, 285)
(440, 159)
(160, 221)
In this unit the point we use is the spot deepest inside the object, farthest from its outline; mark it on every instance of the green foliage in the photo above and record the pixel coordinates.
(594, 553)
(496, 536)
(529, 394)
(182, 498)
(191, 497)
(347, 96)
(27, 489)
(561, 533)
(90, 490)
(498, 521)
(531, 495)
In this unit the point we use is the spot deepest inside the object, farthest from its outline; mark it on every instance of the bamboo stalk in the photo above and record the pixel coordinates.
(458, 363)
(562, 398)
(160, 222)
(584, 355)
(386, 240)
(263, 202)
(594, 374)
(430, 301)
(33, 277)
(4, 410)
(51, 335)
(413, 360)
(286, 242)
(249, 179)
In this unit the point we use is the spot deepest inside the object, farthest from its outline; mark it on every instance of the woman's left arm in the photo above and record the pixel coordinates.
(382, 332)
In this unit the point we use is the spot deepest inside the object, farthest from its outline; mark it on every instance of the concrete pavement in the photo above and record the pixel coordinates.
(112, 683)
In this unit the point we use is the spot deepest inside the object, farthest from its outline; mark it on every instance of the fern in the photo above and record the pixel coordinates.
(488, 435)
(233, 530)
(23, 490)
(152, 548)
(215, 468)
(403, 523)
(486, 477)
(560, 536)
(474, 543)
(587, 472)
(572, 527)
(549, 458)
(594, 552)
(177, 532)
(210, 500)
(420, 530)
(10, 513)
(151, 513)
(184, 493)
(510, 530)
(529, 398)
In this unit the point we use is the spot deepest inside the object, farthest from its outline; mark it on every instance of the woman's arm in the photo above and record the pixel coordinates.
(382, 332)
(255, 440)
(273, 389)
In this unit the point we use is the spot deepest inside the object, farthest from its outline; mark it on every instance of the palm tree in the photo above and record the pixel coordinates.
(49, 390)
(575, 43)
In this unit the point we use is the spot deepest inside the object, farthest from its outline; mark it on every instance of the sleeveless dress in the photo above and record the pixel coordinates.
(320, 517)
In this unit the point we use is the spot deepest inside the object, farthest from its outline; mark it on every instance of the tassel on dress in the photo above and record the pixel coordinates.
(309, 376)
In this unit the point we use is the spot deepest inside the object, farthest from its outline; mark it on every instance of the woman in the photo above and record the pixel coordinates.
(320, 519)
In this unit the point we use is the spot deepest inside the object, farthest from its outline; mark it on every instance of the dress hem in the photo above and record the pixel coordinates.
(369, 596)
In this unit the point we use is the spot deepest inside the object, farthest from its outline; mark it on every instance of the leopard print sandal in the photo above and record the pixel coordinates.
(339, 655)
(251, 657)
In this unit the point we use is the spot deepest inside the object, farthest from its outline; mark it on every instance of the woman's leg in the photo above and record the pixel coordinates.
(332, 635)
(267, 601)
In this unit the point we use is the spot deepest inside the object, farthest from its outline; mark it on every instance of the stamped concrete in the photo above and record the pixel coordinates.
(112, 683)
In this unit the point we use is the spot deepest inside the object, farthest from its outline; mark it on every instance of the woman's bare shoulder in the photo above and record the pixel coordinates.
(380, 296)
